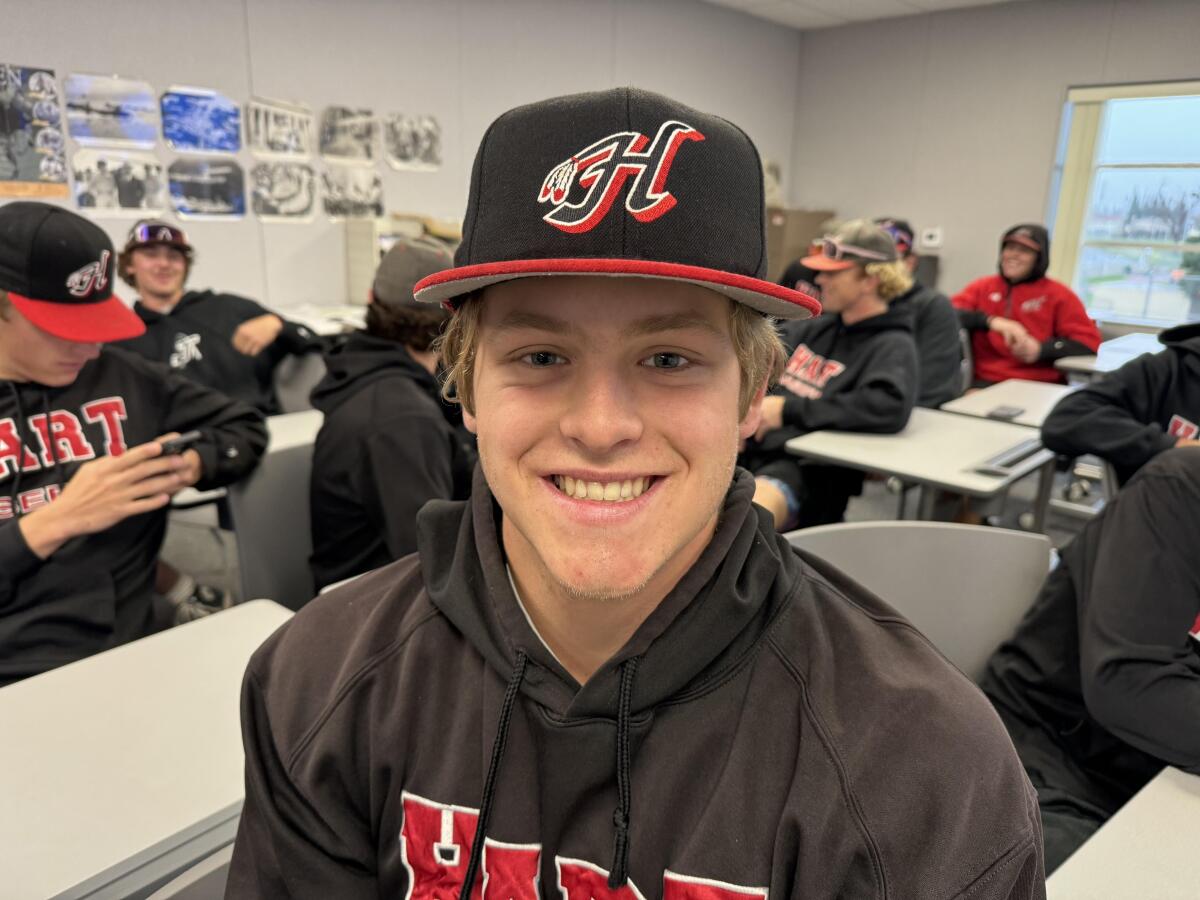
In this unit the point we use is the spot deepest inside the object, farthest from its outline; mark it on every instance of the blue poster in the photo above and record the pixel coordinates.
(32, 147)
(196, 120)
(105, 109)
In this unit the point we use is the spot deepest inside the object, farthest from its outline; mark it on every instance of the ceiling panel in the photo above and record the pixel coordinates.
(809, 14)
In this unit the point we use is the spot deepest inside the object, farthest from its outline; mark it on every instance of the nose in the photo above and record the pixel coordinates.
(602, 411)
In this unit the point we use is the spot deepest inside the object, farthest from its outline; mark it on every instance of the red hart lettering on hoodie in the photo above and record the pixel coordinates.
(435, 843)
(63, 429)
(807, 372)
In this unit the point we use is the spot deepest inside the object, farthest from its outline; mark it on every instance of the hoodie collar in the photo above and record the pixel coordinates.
(705, 626)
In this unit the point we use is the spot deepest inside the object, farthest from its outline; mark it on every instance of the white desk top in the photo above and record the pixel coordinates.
(107, 757)
(1147, 850)
(1113, 354)
(326, 319)
(937, 448)
(1037, 398)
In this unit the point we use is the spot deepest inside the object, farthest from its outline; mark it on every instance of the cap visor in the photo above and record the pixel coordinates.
(89, 323)
(1029, 243)
(825, 264)
(772, 299)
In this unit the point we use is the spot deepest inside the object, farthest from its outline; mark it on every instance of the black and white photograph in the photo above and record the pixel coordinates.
(106, 109)
(32, 149)
(275, 128)
(119, 183)
(352, 192)
(349, 135)
(283, 191)
(413, 142)
(211, 188)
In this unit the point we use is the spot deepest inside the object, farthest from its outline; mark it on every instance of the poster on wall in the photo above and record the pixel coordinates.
(32, 149)
(352, 192)
(349, 135)
(105, 109)
(283, 191)
(119, 183)
(276, 128)
(207, 187)
(413, 142)
(196, 120)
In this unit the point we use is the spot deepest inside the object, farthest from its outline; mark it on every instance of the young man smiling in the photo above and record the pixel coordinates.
(632, 688)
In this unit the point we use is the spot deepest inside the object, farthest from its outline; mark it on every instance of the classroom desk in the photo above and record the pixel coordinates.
(120, 769)
(326, 320)
(1036, 398)
(1113, 354)
(1147, 850)
(940, 450)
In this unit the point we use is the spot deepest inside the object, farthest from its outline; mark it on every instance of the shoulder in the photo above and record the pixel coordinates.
(335, 647)
(1176, 470)
(917, 745)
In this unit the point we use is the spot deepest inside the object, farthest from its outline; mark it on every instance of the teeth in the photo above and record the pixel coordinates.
(609, 492)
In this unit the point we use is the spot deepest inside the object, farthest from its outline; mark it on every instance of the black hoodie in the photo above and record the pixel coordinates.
(1136, 412)
(939, 351)
(95, 591)
(1100, 686)
(771, 728)
(196, 338)
(388, 445)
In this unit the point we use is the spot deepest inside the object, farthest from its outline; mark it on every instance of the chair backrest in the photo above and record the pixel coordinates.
(203, 881)
(270, 514)
(966, 587)
(294, 379)
(966, 368)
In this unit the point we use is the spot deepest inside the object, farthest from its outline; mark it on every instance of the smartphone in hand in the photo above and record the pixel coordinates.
(181, 443)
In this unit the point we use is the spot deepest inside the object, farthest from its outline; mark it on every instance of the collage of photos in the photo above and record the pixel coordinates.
(112, 166)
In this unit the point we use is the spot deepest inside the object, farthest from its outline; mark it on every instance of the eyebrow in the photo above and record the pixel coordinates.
(648, 325)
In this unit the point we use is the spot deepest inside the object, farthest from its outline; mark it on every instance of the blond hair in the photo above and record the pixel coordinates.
(894, 278)
(756, 343)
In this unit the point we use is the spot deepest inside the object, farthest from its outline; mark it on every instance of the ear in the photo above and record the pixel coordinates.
(753, 418)
(469, 422)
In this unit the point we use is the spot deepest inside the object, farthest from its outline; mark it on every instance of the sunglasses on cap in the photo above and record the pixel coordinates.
(158, 233)
(902, 238)
(834, 249)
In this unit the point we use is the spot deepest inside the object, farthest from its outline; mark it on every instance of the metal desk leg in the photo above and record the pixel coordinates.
(1042, 503)
(925, 503)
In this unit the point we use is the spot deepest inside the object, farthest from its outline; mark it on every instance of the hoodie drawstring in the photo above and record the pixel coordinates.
(489, 785)
(619, 874)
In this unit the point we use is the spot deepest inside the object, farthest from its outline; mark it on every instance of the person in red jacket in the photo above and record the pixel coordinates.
(1020, 320)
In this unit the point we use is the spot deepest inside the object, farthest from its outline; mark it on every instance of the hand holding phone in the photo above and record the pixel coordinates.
(180, 443)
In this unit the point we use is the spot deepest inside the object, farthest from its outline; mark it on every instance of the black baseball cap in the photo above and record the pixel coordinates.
(902, 233)
(57, 268)
(618, 182)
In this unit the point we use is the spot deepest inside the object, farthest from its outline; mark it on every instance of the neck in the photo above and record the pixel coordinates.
(583, 632)
(161, 303)
(427, 359)
(866, 308)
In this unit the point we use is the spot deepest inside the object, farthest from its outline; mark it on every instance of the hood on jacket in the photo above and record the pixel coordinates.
(150, 316)
(898, 317)
(1182, 337)
(1042, 237)
(361, 359)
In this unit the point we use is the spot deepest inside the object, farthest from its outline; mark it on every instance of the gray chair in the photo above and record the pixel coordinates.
(294, 379)
(269, 511)
(966, 587)
(203, 881)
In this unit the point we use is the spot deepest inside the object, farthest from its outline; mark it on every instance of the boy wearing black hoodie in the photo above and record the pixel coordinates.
(83, 482)
(606, 676)
(1020, 320)
(389, 443)
(853, 369)
(1129, 416)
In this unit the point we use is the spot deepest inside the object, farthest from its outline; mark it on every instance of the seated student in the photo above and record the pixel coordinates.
(389, 444)
(1100, 686)
(677, 703)
(1020, 320)
(83, 482)
(1149, 405)
(799, 277)
(221, 341)
(852, 369)
(935, 326)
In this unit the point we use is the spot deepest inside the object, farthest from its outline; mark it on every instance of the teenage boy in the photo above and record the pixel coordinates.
(852, 369)
(609, 613)
(389, 443)
(935, 325)
(83, 479)
(221, 341)
(1020, 320)
(1129, 416)
(1100, 685)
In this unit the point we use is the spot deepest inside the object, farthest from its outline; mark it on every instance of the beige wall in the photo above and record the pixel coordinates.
(952, 118)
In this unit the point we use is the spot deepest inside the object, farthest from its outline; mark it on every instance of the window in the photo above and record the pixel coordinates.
(1126, 202)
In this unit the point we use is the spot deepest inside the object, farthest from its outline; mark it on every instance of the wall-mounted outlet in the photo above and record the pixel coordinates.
(931, 238)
